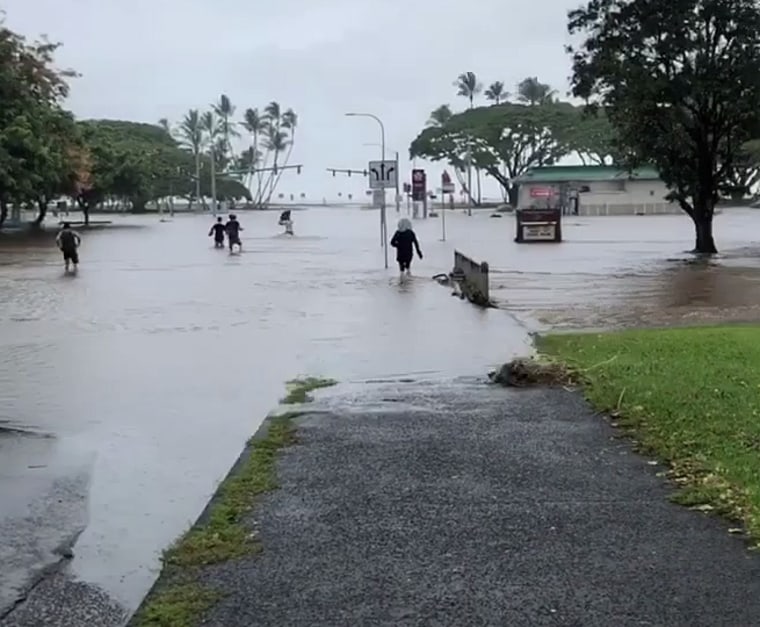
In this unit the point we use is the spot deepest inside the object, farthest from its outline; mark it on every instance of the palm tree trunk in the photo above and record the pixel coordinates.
(285, 162)
(197, 179)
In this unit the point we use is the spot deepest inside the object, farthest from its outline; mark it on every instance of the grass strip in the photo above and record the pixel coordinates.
(222, 535)
(299, 389)
(690, 396)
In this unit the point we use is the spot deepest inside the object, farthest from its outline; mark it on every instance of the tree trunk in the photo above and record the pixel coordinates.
(42, 206)
(3, 212)
(703, 223)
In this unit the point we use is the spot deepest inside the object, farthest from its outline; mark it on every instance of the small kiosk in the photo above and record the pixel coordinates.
(538, 225)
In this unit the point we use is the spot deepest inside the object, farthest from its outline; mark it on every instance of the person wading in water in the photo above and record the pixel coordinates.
(233, 229)
(405, 241)
(217, 230)
(68, 241)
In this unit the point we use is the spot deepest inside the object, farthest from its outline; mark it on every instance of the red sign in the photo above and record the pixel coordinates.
(419, 185)
(541, 192)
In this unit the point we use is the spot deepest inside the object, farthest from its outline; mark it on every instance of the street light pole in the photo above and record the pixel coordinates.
(383, 222)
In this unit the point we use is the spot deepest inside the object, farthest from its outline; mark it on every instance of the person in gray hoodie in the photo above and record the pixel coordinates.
(404, 240)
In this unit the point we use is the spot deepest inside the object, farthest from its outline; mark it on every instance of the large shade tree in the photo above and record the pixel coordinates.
(38, 139)
(503, 141)
(680, 82)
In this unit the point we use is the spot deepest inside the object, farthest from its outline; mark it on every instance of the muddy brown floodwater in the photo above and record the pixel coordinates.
(126, 392)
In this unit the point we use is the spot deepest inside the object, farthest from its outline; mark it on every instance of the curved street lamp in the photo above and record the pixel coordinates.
(383, 221)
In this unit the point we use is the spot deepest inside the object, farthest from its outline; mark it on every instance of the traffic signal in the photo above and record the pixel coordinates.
(349, 173)
(298, 169)
(333, 172)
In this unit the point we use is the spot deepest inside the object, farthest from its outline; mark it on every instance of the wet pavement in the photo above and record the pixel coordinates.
(127, 391)
(457, 503)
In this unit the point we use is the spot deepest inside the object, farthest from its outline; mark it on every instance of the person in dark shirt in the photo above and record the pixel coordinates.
(68, 241)
(405, 241)
(233, 229)
(218, 231)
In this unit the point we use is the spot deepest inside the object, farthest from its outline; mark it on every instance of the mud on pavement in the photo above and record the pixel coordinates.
(464, 504)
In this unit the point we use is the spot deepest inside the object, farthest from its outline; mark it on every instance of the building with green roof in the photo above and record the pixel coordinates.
(595, 190)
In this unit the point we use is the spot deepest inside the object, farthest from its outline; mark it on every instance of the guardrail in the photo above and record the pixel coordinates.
(472, 279)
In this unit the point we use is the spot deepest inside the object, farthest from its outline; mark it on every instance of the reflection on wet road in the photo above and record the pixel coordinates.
(138, 381)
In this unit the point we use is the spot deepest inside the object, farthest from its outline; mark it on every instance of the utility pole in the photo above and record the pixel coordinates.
(398, 196)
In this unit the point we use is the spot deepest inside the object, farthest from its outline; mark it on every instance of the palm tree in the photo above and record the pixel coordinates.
(164, 124)
(255, 124)
(190, 134)
(225, 110)
(211, 133)
(284, 138)
(534, 92)
(440, 115)
(467, 85)
(496, 92)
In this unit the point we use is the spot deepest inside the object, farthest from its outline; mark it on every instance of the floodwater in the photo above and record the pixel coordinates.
(127, 392)
(626, 271)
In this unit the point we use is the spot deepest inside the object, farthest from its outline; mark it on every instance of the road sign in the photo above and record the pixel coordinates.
(447, 187)
(382, 174)
(419, 185)
(378, 197)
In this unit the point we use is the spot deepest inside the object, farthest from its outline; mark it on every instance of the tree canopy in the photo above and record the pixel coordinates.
(509, 138)
(680, 83)
(39, 143)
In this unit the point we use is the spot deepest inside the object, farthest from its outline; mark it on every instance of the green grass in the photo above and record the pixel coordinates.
(688, 396)
(177, 606)
(298, 389)
(179, 601)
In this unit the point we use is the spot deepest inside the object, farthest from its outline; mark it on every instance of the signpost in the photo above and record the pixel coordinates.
(382, 176)
(419, 189)
(447, 187)
(378, 197)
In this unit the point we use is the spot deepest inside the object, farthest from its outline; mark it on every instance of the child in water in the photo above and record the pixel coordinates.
(233, 229)
(68, 241)
(405, 241)
(217, 230)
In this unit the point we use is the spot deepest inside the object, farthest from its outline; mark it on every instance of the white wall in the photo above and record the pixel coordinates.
(615, 197)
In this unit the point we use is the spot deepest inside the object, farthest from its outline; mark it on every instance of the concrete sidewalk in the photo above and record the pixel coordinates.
(461, 504)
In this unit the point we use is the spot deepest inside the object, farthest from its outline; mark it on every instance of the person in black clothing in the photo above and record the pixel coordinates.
(218, 231)
(405, 241)
(233, 229)
(68, 241)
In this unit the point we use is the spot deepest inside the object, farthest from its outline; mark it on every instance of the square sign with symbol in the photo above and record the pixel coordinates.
(382, 174)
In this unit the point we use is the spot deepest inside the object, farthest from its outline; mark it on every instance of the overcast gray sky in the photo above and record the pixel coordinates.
(148, 59)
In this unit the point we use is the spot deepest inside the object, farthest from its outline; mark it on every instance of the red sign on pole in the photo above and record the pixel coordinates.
(419, 185)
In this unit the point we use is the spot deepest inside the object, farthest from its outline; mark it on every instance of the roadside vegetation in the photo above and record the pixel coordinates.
(221, 534)
(689, 396)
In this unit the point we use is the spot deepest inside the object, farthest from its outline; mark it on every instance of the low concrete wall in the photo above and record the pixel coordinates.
(472, 279)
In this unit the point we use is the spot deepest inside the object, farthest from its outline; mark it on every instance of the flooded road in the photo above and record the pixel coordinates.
(126, 392)
(627, 271)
